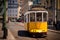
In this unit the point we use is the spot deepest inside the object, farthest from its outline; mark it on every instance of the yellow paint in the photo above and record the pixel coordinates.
(25, 24)
(37, 26)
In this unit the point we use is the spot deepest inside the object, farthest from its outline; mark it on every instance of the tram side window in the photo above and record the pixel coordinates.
(32, 17)
(39, 16)
(44, 16)
(25, 18)
(28, 17)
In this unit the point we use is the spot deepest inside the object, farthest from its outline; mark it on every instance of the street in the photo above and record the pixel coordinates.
(19, 32)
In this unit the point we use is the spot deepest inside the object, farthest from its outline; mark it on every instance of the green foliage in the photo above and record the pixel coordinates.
(1, 3)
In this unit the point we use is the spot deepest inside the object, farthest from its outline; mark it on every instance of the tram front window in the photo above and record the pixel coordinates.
(44, 16)
(39, 16)
(32, 17)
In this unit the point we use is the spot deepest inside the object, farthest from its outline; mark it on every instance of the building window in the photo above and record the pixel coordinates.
(21, 3)
(16, 14)
(9, 2)
(13, 1)
(13, 11)
(36, 2)
(10, 14)
(39, 1)
(16, 10)
(10, 11)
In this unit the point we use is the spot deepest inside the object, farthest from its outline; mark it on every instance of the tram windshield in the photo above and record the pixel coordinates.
(36, 17)
(32, 17)
(44, 16)
(39, 16)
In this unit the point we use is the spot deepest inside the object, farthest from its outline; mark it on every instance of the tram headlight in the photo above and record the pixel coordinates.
(36, 31)
(39, 31)
(31, 30)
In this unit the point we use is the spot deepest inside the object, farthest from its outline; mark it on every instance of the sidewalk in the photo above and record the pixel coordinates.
(1, 32)
(53, 29)
(10, 36)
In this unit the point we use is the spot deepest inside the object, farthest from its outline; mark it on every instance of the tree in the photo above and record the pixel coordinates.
(3, 14)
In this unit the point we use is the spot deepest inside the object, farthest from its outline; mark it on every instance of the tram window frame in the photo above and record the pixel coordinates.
(44, 16)
(32, 19)
(38, 18)
(26, 18)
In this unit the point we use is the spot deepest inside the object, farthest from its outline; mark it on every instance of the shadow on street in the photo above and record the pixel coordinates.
(24, 33)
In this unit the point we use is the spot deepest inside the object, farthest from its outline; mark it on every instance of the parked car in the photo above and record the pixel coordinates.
(19, 20)
(13, 20)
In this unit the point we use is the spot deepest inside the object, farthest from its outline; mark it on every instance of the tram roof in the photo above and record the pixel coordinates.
(34, 12)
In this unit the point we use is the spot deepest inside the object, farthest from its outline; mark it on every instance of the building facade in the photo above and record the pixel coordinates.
(13, 9)
(43, 3)
(23, 5)
(58, 9)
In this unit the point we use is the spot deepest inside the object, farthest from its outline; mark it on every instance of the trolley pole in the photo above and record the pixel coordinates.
(4, 22)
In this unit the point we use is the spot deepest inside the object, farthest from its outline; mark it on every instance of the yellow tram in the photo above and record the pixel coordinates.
(36, 22)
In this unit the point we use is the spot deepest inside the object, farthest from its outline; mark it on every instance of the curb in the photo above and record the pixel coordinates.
(54, 31)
